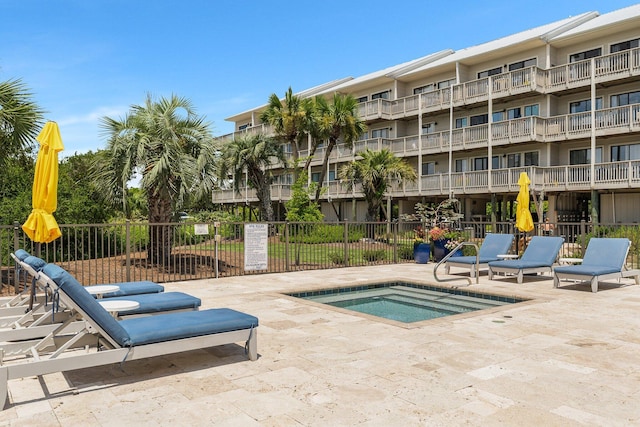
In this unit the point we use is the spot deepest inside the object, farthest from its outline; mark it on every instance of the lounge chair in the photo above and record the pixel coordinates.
(123, 340)
(605, 258)
(45, 318)
(493, 245)
(538, 257)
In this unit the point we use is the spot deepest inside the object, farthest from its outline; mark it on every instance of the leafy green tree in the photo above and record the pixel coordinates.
(172, 150)
(79, 200)
(375, 172)
(20, 119)
(292, 121)
(16, 181)
(337, 120)
(300, 207)
(253, 155)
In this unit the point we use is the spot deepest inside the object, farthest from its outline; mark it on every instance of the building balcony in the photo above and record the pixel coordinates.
(616, 66)
(606, 176)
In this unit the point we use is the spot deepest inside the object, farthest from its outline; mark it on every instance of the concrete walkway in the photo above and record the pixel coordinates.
(566, 357)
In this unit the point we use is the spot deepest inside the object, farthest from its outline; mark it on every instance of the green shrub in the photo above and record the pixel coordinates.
(337, 258)
(372, 255)
(405, 252)
(320, 233)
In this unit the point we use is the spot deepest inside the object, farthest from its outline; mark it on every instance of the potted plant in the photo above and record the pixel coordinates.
(438, 219)
(421, 246)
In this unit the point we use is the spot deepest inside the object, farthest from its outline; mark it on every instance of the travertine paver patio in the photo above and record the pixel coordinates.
(569, 357)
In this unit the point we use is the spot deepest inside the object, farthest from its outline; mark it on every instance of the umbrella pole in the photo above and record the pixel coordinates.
(32, 293)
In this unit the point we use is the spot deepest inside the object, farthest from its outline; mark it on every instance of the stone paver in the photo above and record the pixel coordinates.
(567, 357)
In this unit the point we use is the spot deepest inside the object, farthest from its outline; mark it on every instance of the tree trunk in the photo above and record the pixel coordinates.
(160, 235)
(325, 162)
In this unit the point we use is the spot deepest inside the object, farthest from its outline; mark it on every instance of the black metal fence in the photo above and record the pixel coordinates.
(111, 253)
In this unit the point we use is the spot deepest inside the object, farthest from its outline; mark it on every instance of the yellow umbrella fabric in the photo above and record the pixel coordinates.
(41, 226)
(524, 221)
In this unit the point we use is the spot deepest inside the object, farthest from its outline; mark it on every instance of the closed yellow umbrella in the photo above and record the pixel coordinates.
(524, 220)
(41, 226)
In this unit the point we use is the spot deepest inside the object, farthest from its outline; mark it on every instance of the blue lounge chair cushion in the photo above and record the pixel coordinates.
(158, 302)
(134, 288)
(471, 260)
(586, 270)
(172, 326)
(603, 256)
(542, 251)
(34, 262)
(21, 254)
(70, 286)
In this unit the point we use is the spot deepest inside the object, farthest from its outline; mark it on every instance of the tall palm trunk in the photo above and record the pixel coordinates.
(325, 162)
(160, 232)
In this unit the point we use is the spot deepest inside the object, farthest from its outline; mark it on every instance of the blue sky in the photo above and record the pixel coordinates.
(86, 59)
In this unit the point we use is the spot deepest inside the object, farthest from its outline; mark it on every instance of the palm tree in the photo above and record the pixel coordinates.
(375, 171)
(253, 154)
(292, 121)
(172, 150)
(337, 120)
(20, 119)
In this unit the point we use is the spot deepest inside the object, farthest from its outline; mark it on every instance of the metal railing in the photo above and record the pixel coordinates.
(111, 253)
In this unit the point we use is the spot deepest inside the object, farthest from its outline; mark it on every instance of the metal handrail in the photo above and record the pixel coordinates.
(450, 254)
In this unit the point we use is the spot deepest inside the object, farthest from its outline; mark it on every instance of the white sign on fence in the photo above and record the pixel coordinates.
(256, 246)
(201, 229)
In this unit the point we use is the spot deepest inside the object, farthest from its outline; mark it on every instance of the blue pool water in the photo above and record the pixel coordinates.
(406, 302)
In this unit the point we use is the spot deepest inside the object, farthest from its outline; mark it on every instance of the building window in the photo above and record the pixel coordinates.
(461, 122)
(332, 175)
(585, 55)
(629, 44)
(428, 128)
(480, 164)
(479, 120)
(531, 158)
(363, 99)
(363, 136)
(424, 89)
(244, 126)
(625, 99)
(497, 116)
(532, 110)
(583, 156)
(429, 168)
(491, 72)
(380, 133)
(583, 106)
(621, 153)
(315, 177)
(381, 95)
(513, 160)
(514, 113)
(523, 64)
(446, 83)
(462, 165)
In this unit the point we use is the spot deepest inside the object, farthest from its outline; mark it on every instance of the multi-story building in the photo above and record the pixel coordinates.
(560, 102)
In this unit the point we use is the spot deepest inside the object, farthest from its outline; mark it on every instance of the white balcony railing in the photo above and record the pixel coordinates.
(550, 178)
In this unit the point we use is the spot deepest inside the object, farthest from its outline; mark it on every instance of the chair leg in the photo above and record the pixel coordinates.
(472, 271)
(594, 284)
(520, 276)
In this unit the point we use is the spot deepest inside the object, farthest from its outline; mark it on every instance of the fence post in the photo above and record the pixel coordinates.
(346, 242)
(287, 262)
(127, 233)
(583, 235)
(16, 228)
(395, 228)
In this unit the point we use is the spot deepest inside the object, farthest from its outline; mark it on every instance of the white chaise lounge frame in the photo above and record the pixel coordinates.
(68, 358)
